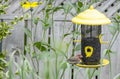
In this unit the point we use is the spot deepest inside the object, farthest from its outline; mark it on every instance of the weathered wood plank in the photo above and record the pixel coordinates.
(15, 5)
(105, 5)
(111, 11)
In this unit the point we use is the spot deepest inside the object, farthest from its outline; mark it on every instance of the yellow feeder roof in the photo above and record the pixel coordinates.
(91, 17)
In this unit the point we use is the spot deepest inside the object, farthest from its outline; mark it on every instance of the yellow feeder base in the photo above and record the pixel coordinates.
(104, 62)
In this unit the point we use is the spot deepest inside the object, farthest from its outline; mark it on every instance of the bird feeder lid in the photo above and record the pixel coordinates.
(91, 16)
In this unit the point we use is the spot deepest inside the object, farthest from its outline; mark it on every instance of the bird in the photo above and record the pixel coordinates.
(75, 59)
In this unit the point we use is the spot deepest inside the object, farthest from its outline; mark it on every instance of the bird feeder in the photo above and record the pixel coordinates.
(91, 22)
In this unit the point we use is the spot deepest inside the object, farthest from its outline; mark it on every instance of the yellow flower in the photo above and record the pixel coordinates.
(28, 5)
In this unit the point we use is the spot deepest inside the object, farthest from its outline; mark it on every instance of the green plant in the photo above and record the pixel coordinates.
(5, 28)
(3, 64)
(3, 6)
(41, 51)
(114, 30)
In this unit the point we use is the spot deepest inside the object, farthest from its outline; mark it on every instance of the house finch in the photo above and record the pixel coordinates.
(75, 59)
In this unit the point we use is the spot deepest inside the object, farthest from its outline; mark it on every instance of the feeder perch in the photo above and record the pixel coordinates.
(91, 21)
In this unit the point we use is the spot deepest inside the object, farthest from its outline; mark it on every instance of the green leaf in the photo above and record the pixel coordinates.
(57, 8)
(65, 35)
(108, 51)
(27, 48)
(40, 46)
(46, 16)
(117, 16)
(48, 10)
(67, 8)
(63, 65)
(45, 24)
(1, 68)
(28, 32)
(21, 18)
(13, 22)
(2, 12)
(78, 10)
(6, 0)
(2, 54)
(36, 20)
(78, 47)
(80, 4)
(16, 18)
(17, 73)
